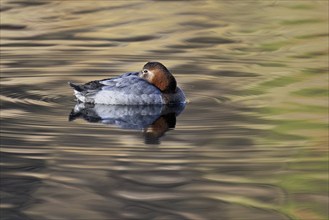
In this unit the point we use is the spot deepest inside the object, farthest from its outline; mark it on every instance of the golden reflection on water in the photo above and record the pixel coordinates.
(251, 143)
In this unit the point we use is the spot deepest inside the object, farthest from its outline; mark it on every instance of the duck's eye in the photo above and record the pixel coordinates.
(145, 71)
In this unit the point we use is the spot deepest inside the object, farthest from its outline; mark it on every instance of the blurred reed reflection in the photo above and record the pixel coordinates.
(153, 120)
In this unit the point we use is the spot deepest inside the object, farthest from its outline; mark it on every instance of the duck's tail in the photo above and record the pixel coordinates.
(75, 87)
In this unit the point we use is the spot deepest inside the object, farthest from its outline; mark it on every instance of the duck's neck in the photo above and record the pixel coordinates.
(166, 84)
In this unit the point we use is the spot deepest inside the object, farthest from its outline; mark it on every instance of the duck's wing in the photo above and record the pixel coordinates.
(129, 84)
(99, 84)
(128, 88)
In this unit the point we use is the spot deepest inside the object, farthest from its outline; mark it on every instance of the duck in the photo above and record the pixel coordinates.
(153, 85)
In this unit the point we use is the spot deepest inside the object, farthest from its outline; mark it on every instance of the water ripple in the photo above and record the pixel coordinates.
(250, 143)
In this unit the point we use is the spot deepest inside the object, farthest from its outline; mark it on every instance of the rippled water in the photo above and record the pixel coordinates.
(251, 143)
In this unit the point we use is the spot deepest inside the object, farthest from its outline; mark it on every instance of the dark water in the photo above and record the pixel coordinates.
(251, 143)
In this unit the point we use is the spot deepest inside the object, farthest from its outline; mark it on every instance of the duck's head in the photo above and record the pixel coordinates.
(157, 74)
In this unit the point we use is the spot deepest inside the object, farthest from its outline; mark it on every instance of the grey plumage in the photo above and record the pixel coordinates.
(128, 88)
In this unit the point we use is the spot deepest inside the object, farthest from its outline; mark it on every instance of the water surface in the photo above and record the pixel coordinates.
(250, 144)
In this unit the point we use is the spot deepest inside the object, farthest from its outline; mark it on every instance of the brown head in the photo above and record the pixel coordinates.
(157, 74)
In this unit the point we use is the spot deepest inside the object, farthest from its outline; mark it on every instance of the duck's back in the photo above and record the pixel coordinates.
(127, 89)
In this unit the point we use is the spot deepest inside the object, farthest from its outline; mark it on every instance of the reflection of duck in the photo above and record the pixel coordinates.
(153, 85)
(154, 120)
